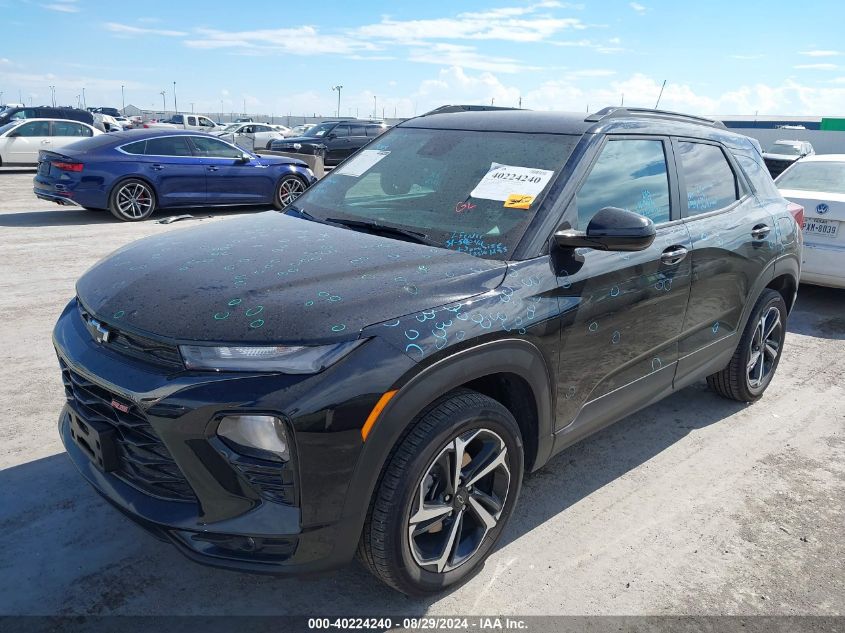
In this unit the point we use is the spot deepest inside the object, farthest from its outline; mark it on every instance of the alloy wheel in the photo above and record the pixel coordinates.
(134, 200)
(290, 189)
(764, 347)
(459, 500)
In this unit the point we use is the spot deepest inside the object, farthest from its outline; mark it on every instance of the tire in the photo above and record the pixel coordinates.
(288, 189)
(453, 540)
(132, 200)
(754, 363)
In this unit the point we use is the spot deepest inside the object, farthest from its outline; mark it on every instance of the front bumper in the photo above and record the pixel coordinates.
(227, 519)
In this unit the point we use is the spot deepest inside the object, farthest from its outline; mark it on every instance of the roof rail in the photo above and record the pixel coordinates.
(446, 109)
(620, 112)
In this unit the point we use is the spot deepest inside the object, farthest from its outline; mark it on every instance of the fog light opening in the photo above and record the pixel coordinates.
(261, 436)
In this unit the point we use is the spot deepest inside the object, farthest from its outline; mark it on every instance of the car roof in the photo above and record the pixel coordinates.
(144, 133)
(51, 118)
(605, 121)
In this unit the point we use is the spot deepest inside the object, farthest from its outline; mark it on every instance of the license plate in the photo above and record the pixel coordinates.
(97, 440)
(821, 227)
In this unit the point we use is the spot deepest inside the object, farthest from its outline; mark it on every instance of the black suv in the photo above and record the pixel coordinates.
(334, 140)
(375, 368)
(45, 112)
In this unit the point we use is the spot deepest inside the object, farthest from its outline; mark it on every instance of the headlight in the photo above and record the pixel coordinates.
(261, 436)
(277, 358)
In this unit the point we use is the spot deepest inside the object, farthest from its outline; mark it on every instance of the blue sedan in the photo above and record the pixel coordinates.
(135, 172)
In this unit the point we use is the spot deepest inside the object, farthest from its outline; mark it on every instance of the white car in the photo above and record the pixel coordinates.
(20, 140)
(251, 135)
(818, 184)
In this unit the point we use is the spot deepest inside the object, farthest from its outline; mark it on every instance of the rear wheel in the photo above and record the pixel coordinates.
(756, 358)
(132, 200)
(445, 495)
(289, 189)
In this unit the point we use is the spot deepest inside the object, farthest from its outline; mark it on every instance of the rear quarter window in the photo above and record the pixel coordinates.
(138, 147)
(757, 174)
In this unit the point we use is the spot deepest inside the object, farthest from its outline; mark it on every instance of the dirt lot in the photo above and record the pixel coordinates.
(695, 505)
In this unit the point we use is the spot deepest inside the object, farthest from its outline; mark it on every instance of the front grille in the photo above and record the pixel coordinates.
(143, 460)
(142, 348)
(273, 482)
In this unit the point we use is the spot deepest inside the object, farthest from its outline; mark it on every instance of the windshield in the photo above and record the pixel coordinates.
(824, 176)
(784, 149)
(473, 192)
(319, 130)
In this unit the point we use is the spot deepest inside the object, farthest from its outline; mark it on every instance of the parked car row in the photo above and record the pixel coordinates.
(22, 139)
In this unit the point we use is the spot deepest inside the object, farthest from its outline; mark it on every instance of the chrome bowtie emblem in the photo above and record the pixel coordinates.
(98, 331)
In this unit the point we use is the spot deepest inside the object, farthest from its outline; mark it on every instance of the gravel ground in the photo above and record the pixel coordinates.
(695, 505)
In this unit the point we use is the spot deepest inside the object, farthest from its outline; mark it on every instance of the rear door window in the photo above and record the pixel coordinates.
(709, 180)
(168, 146)
(629, 174)
(68, 128)
(341, 131)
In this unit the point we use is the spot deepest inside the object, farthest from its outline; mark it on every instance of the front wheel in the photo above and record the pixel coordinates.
(756, 358)
(288, 190)
(132, 200)
(446, 493)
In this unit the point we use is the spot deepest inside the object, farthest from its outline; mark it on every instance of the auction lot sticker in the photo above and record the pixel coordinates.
(503, 181)
(361, 162)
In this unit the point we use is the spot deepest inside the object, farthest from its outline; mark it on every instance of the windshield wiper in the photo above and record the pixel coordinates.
(299, 213)
(385, 229)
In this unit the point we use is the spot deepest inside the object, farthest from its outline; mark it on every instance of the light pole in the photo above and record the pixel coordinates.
(84, 102)
(338, 88)
(53, 95)
(122, 99)
(375, 107)
(221, 110)
(163, 102)
(78, 102)
(192, 107)
(175, 107)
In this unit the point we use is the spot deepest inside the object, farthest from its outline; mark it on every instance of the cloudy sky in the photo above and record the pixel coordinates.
(718, 57)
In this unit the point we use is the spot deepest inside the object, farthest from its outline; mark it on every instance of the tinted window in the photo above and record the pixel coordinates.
(168, 146)
(135, 148)
(206, 122)
(213, 148)
(36, 128)
(374, 130)
(759, 176)
(825, 176)
(262, 128)
(66, 128)
(630, 175)
(27, 113)
(177, 118)
(341, 130)
(709, 179)
(356, 130)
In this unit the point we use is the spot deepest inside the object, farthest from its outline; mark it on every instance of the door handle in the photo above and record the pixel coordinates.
(212, 168)
(673, 255)
(158, 167)
(45, 142)
(760, 231)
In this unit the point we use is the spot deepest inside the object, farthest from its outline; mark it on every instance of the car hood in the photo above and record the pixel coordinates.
(275, 278)
(269, 159)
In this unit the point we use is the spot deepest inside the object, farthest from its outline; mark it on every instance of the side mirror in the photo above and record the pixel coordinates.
(611, 229)
(244, 158)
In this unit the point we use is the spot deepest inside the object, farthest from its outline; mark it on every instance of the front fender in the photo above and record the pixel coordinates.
(512, 356)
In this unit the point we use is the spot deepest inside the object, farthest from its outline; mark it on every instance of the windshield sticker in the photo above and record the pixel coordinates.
(518, 201)
(500, 182)
(361, 162)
